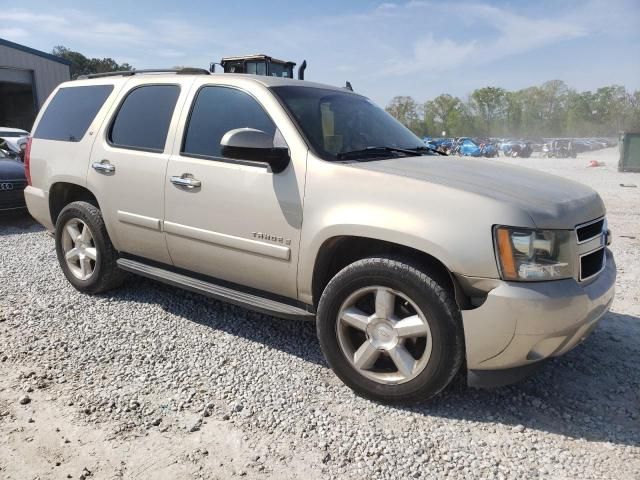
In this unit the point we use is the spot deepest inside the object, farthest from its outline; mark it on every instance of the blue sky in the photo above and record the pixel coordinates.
(417, 48)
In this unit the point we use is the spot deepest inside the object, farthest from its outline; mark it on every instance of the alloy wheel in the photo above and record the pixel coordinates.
(78, 246)
(384, 335)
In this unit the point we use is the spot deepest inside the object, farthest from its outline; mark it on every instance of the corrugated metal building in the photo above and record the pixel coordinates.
(27, 77)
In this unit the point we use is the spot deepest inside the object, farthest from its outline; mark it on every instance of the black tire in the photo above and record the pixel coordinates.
(106, 274)
(436, 302)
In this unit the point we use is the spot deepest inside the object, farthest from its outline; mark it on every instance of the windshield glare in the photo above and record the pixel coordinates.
(337, 122)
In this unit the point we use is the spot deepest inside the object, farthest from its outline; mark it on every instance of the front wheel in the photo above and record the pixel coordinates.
(390, 331)
(84, 250)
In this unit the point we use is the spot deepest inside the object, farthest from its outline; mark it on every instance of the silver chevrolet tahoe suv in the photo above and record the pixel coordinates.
(307, 201)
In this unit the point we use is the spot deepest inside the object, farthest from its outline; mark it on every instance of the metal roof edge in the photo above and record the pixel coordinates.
(33, 51)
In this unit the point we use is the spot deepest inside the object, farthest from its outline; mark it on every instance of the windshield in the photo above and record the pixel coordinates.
(335, 122)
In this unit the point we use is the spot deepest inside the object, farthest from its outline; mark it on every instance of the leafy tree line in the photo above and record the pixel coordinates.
(81, 65)
(549, 110)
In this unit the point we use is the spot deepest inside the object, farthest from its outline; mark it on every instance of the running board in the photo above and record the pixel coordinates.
(226, 294)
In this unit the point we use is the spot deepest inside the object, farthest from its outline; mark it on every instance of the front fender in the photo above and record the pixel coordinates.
(452, 225)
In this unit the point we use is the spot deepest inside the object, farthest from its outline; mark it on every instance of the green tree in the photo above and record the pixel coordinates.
(633, 117)
(610, 107)
(445, 110)
(81, 65)
(532, 121)
(579, 114)
(405, 110)
(489, 104)
(549, 110)
(553, 106)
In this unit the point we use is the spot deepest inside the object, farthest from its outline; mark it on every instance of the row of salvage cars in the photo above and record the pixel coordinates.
(524, 148)
(13, 143)
(467, 146)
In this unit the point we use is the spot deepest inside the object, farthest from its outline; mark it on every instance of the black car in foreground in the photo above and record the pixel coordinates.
(12, 184)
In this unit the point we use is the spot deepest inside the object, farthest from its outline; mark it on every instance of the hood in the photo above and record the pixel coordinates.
(11, 170)
(550, 201)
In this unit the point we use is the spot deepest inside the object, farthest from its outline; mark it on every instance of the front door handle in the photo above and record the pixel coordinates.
(186, 180)
(103, 167)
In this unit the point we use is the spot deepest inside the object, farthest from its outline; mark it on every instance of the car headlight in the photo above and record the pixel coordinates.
(530, 255)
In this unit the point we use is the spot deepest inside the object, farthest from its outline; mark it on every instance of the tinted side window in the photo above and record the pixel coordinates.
(142, 122)
(71, 111)
(216, 110)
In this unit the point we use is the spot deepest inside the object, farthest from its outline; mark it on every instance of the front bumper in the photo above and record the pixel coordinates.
(520, 324)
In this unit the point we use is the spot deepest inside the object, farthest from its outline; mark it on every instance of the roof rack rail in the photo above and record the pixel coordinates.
(128, 73)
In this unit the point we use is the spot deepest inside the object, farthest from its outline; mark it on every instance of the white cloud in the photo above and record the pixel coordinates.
(25, 16)
(170, 53)
(500, 34)
(15, 33)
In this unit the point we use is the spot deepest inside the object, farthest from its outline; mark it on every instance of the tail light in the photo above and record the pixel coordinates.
(27, 161)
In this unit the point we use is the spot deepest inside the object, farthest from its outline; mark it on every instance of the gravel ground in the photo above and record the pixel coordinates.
(153, 382)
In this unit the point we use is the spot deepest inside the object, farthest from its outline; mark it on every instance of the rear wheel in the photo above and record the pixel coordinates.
(84, 250)
(389, 331)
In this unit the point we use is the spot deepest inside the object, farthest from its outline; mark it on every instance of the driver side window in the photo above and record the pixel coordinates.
(215, 111)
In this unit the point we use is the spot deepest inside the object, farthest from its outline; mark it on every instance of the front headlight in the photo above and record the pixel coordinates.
(530, 255)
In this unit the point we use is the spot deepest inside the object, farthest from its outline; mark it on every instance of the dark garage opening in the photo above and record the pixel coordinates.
(17, 105)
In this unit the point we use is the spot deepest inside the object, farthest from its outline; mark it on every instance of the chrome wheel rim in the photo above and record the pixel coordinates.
(79, 249)
(384, 335)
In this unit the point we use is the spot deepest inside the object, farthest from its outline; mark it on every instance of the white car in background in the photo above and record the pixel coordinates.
(13, 141)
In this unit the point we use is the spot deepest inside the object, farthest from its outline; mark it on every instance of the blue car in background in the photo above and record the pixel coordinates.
(475, 148)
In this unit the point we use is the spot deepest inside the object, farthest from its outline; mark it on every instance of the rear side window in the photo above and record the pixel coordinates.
(142, 122)
(217, 110)
(70, 112)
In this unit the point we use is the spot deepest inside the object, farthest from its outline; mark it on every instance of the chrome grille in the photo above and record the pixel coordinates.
(12, 194)
(589, 230)
(592, 264)
(592, 241)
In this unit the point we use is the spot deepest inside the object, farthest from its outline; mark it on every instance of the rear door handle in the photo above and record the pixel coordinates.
(187, 181)
(103, 167)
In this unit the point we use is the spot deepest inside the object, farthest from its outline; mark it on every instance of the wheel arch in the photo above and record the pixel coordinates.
(62, 194)
(337, 252)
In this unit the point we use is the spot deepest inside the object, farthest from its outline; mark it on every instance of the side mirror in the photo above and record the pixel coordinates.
(255, 145)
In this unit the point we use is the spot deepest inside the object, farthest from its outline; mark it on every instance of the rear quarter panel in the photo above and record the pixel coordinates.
(54, 161)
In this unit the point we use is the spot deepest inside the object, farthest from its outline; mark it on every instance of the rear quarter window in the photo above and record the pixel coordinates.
(71, 111)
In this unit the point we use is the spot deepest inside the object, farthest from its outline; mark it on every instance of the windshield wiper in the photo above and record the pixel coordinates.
(365, 152)
(426, 148)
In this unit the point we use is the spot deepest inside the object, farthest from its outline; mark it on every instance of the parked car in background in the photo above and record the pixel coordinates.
(11, 150)
(487, 147)
(13, 141)
(12, 135)
(517, 148)
(607, 142)
(561, 148)
(12, 184)
(442, 145)
(537, 144)
(473, 147)
(464, 147)
(579, 145)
